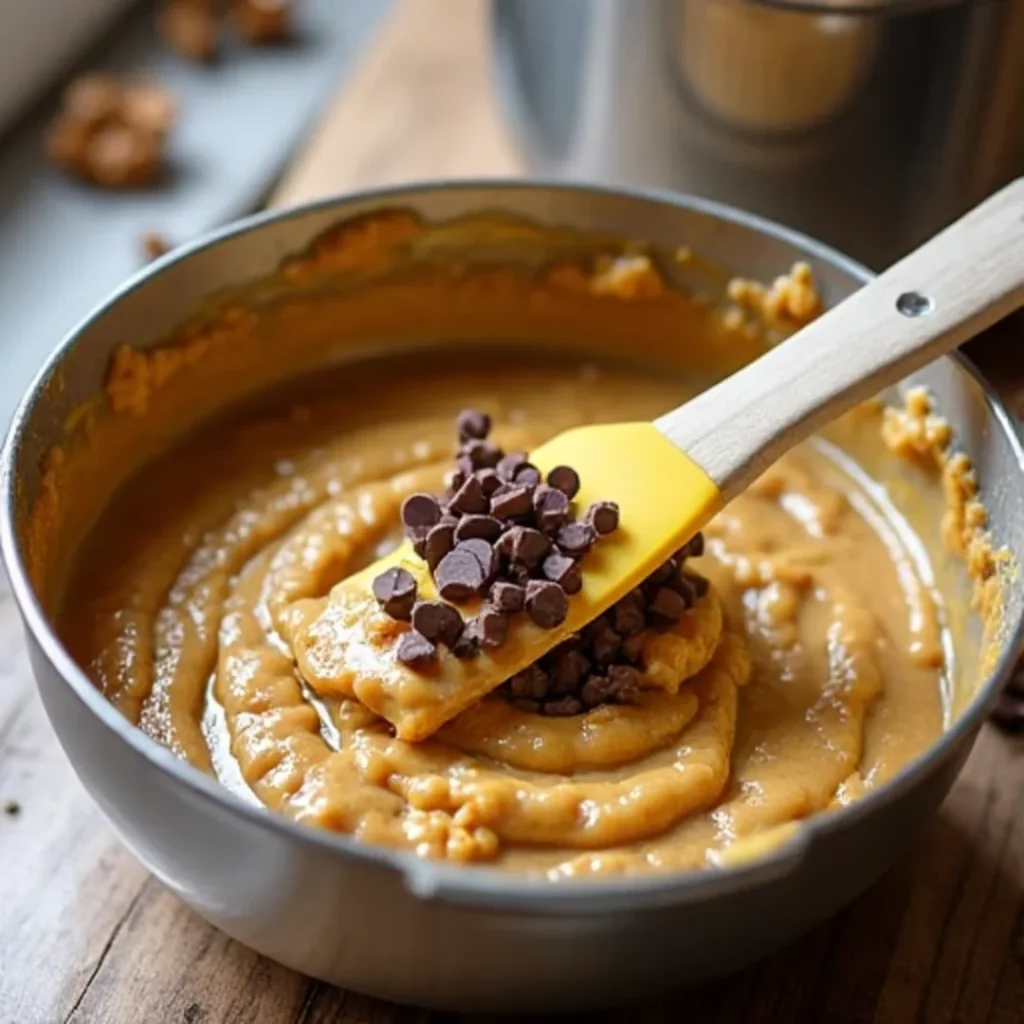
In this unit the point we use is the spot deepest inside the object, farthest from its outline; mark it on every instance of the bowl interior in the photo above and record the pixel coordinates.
(238, 271)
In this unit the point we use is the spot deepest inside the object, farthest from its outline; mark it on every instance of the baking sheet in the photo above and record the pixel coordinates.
(65, 246)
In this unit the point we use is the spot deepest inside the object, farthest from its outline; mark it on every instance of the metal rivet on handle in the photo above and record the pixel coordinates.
(914, 304)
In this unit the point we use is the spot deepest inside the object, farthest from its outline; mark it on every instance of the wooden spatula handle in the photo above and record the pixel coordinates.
(942, 294)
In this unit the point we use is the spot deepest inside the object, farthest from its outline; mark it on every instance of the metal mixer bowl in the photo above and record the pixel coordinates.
(869, 123)
(433, 934)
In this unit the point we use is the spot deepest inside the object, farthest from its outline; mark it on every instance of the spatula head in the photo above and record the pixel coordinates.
(664, 498)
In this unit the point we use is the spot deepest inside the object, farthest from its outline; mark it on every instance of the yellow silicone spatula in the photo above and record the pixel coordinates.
(670, 477)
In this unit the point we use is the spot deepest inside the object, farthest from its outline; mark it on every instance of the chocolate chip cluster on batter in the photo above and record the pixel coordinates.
(499, 532)
(599, 665)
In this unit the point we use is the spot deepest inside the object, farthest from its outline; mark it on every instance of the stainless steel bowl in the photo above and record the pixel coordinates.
(387, 923)
(870, 123)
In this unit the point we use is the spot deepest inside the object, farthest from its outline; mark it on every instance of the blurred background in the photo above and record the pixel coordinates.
(129, 127)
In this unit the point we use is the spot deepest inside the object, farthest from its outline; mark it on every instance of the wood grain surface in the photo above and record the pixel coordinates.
(86, 935)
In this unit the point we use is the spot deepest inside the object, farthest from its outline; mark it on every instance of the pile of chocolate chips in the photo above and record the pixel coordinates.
(599, 665)
(498, 532)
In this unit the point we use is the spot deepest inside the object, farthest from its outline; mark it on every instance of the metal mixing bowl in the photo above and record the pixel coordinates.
(434, 934)
(871, 123)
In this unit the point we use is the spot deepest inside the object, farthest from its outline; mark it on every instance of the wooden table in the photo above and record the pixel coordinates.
(86, 935)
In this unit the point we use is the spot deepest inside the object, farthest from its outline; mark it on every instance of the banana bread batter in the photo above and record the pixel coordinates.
(814, 668)
(820, 660)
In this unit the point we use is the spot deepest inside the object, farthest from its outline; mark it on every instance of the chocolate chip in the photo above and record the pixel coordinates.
(469, 499)
(684, 588)
(568, 671)
(572, 642)
(572, 581)
(481, 454)
(454, 479)
(509, 465)
(546, 603)
(492, 626)
(564, 571)
(421, 510)
(625, 681)
(489, 480)
(663, 573)
(667, 606)
(418, 536)
(504, 487)
(511, 503)
(472, 423)
(699, 583)
(627, 616)
(484, 553)
(528, 475)
(414, 649)
(439, 541)
(508, 597)
(504, 544)
(528, 546)
(468, 644)
(478, 527)
(437, 621)
(597, 690)
(395, 591)
(620, 683)
(459, 575)
(604, 517)
(576, 538)
(565, 479)
(604, 643)
(518, 574)
(693, 548)
(532, 683)
(563, 707)
(551, 507)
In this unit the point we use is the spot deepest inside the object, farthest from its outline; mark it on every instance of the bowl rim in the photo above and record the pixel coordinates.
(475, 885)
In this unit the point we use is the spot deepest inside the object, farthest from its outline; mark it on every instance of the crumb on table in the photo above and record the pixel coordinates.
(191, 29)
(262, 21)
(155, 245)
